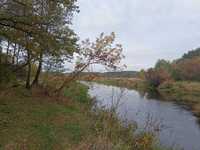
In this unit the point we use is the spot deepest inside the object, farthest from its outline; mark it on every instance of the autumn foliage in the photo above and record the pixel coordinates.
(157, 77)
(186, 68)
(189, 69)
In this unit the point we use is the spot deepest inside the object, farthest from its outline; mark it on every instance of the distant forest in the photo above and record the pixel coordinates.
(186, 68)
(118, 74)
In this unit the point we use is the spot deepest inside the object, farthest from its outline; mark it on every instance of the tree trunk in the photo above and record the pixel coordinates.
(73, 76)
(7, 52)
(28, 78)
(14, 54)
(36, 79)
(17, 55)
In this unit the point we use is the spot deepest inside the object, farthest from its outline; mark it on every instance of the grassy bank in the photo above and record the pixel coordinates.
(183, 92)
(34, 121)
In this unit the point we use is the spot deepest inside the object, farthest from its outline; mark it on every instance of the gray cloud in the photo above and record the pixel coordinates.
(148, 29)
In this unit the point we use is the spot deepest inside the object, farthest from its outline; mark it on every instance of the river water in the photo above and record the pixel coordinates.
(178, 126)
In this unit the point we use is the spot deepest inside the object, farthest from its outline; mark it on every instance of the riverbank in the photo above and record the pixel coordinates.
(33, 120)
(183, 92)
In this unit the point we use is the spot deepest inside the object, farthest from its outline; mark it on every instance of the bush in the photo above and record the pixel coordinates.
(155, 77)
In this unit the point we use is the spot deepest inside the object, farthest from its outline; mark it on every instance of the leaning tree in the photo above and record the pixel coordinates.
(103, 51)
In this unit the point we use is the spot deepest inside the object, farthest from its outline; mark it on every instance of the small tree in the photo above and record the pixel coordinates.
(103, 51)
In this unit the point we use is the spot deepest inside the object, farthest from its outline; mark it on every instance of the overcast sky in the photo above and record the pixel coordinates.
(148, 29)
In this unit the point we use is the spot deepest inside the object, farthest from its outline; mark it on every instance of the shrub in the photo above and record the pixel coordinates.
(155, 77)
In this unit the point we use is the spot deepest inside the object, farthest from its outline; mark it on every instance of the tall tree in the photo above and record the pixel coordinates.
(46, 25)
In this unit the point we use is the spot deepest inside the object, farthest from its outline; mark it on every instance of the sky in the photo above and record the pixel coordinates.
(148, 29)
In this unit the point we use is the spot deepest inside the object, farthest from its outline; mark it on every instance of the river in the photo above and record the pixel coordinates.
(178, 127)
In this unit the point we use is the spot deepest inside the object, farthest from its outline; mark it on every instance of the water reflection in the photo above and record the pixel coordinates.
(180, 125)
(150, 94)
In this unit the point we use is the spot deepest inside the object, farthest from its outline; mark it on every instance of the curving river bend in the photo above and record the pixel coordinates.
(180, 126)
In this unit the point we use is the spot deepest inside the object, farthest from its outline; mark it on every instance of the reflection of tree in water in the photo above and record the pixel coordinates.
(151, 94)
(155, 94)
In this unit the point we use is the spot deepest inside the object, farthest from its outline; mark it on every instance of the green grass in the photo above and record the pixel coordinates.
(37, 122)
(77, 92)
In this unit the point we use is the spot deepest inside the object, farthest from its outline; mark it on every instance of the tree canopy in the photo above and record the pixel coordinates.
(37, 35)
(40, 28)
